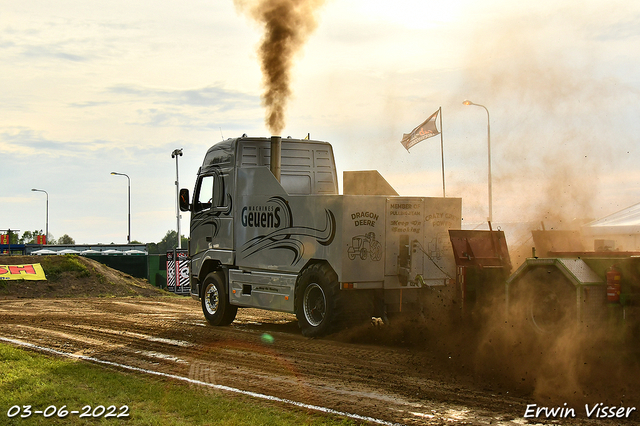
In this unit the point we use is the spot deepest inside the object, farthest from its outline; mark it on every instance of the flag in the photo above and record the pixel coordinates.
(422, 132)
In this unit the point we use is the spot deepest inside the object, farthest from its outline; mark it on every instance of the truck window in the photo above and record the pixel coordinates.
(296, 184)
(204, 194)
(210, 193)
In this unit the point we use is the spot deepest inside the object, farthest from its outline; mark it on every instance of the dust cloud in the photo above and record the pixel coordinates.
(558, 129)
(558, 124)
(549, 355)
(485, 346)
(287, 25)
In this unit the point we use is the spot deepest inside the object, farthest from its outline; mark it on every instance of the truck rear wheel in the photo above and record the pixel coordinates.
(215, 302)
(317, 300)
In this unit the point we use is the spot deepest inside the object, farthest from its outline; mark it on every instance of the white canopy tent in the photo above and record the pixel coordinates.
(68, 251)
(134, 252)
(622, 229)
(44, 252)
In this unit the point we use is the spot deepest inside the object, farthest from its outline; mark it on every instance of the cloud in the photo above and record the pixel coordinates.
(6, 44)
(194, 120)
(27, 146)
(210, 107)
(51, 51)
(619, 31)
(25, 141)
(211, 96)
(88, 104)
(48, 41)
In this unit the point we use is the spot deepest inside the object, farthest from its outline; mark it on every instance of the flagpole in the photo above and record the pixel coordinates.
(442, 150)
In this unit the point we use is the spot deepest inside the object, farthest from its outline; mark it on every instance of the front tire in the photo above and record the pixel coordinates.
(363, 253)
(215, 302)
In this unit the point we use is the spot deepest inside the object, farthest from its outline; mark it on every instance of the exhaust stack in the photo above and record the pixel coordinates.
(276, 146)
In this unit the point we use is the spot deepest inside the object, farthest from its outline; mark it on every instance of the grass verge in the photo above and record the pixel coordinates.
(28, 378)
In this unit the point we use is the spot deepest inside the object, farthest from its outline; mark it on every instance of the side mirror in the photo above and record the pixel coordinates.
(184, 200)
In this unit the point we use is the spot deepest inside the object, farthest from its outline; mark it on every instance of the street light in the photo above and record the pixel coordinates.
(129, 197)
(175, 154)
(46, 235)
(467, 102)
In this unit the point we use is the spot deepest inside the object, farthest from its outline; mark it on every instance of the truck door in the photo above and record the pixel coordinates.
(211, 220)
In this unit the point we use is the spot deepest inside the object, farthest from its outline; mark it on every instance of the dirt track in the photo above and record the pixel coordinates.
(404, 385)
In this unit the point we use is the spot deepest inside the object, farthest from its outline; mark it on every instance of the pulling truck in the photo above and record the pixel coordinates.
(269, 230)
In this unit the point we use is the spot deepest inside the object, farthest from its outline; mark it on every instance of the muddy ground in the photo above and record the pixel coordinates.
(415, 372)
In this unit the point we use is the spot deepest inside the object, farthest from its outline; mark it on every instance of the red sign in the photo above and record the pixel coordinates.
(4, 239)
(41, 239)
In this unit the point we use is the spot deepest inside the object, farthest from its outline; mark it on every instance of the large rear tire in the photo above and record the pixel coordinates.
(317, 294)
(545, 300)
(215, 301)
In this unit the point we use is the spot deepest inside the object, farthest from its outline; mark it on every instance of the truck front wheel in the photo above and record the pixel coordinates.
(215, 303)
(316, 300)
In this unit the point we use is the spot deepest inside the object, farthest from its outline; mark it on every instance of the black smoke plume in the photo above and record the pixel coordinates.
(287, 25)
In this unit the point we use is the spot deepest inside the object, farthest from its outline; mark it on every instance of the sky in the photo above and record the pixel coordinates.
(90, 88)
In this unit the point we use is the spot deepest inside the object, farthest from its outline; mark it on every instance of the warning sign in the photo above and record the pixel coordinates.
(178, 272)
(22, 272)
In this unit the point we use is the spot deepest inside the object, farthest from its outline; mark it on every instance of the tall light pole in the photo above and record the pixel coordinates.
(47, 223)
(467, 102)
(175, 154)
(129, 203)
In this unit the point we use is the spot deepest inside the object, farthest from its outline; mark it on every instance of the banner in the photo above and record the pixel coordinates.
(422, 132)
(41, 239)
(4, 239)
(178, 272)
(32, 272)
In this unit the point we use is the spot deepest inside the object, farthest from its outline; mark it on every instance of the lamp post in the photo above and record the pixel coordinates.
(467, 102)
(47, 222)
(175, 154)
(129, 202)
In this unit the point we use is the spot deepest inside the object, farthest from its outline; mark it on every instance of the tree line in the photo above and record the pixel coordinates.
(168, 243)
(31, 237)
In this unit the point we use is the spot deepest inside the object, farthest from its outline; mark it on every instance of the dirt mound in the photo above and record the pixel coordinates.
(74, 276)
